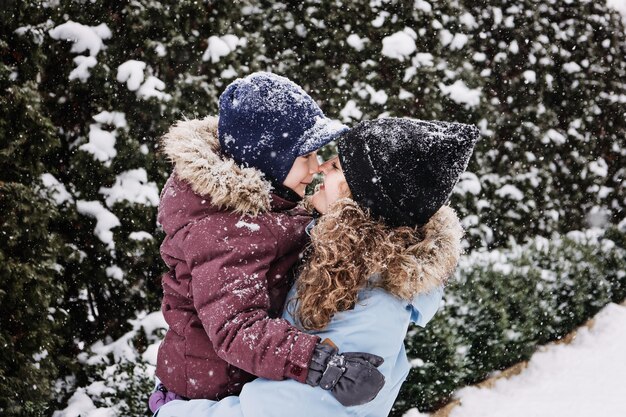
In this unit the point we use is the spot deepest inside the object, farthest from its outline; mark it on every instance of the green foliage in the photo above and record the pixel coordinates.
(118, 374)
(505, 303)
(549, 85)
(29, 321)
(29, 288)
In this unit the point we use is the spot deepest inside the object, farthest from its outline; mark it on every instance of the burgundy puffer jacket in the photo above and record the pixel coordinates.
(229, 246)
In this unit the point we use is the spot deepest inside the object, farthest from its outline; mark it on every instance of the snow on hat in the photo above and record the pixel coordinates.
(266, 121)
(404, 170)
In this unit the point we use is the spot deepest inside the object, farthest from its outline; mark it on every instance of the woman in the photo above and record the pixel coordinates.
(380, 254)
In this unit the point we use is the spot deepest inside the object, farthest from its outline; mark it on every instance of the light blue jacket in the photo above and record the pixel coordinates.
(378, 324)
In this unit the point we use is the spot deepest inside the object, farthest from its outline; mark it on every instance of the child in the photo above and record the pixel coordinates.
(233, 232)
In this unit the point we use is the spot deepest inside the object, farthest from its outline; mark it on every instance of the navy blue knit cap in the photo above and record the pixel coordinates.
(266, 121)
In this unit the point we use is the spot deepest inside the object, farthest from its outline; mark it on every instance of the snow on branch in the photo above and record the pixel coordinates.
(84, 38)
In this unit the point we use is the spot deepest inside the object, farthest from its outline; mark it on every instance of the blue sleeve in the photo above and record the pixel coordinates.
(228, 407)
(424, 306)
(262, 398)
(377, 325)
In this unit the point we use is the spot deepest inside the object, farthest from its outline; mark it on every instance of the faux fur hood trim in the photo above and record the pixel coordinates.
(194, 149)
(439, 251)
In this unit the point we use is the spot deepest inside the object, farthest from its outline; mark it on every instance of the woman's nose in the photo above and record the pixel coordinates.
(325, 167)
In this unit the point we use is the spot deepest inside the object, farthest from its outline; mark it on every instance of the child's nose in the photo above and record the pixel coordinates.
(314, 165)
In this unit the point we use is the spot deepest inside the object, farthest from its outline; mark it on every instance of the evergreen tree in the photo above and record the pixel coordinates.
(30, 285)
(89, 87)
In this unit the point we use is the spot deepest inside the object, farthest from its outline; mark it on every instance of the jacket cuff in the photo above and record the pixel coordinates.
(297, 367)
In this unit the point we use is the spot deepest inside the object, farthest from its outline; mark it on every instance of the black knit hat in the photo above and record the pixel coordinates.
(404, 170)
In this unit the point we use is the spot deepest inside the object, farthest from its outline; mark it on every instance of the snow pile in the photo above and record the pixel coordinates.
(123, 349)
(131, 72)
(422, 59)
(419, 60)
(83, 63)
(584, 378)
(553, 136)
(619, 6)
(253, 227)
(468, 183)
(57, 190)
(380, 19)
(221, 46)
(530, 77)
(153, 87)
(105, 220)
(461, 93)
(456, 41)
(423, 6)
(125, 368)
(351, 112)
(400, 45)
(599, 167)
(140, 235)
(116, 119)
(36, 32)
(84, 38)
(81, 405)
(356, 42)
(102, 142)
(468, 20)
(376, 96)
(510, 191)
(132, 186)
(571, 67)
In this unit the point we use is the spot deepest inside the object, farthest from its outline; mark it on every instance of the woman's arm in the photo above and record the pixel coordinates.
(378, 324)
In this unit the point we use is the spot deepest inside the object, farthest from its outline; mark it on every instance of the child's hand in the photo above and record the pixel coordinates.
(351, 377)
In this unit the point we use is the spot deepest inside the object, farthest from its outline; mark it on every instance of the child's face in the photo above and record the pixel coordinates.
(335, 186)
(301, 173)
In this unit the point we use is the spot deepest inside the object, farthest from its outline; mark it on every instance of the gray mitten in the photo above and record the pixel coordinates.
(351, 377)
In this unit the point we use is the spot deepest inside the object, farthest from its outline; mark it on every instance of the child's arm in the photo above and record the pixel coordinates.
(229, 285)
(380, 325)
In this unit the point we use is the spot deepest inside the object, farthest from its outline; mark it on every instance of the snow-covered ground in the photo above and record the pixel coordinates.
(582, 379)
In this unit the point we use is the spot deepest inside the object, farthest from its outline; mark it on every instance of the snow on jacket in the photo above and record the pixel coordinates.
(229, 246)
(378, 324)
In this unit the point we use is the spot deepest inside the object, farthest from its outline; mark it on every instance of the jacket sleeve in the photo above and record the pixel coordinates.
(378, 325)
(229, 266)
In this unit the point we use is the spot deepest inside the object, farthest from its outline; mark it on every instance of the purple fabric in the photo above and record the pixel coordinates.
(224, 291)
(161, 396)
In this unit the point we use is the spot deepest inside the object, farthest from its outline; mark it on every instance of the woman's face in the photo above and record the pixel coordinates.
(301, 173)
(334, 187)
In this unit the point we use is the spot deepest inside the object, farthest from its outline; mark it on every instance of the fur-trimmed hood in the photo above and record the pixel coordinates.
(194, 149)
(439, 251)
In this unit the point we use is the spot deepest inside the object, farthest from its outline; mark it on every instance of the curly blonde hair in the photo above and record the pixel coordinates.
(348, 247)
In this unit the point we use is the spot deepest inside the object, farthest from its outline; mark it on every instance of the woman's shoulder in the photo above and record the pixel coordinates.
(420, 309)
(374, 305)
(376, 297)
